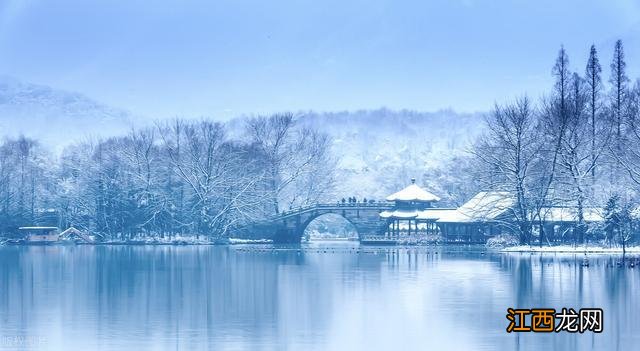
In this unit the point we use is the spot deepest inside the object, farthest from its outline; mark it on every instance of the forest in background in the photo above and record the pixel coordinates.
(578, 146)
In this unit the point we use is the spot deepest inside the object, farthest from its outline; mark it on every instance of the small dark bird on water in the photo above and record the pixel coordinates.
(585, 262)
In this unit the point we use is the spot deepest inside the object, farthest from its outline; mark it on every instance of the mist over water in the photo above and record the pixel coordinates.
(312, 297)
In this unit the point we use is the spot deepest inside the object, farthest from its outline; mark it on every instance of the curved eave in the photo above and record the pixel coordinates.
(399, 214)
(412, 198)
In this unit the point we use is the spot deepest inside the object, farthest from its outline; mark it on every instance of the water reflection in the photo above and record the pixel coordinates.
(315, 297)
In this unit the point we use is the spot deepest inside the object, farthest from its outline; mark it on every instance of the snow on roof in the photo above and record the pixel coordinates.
(485, 206)
(413, 193)
(38, 228)
(454, 216)
(399, 214)
(488, 206)
(71, 232)
(436, 213)
(428, 214)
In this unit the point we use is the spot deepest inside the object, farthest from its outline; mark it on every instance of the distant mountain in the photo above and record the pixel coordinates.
(55, 117)
(379, 150)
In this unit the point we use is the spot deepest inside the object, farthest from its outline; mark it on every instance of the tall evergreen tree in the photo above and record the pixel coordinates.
(555, 119)
(575, 154)
(594, 85)
(563, 78)
(619, 82)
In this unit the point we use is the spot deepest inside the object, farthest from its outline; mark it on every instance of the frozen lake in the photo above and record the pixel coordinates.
(329, 296)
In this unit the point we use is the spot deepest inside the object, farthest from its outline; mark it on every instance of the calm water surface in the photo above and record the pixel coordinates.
(317, 297)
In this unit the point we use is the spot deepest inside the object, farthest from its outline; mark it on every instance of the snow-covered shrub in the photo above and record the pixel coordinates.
(501, 241)
(430, 239)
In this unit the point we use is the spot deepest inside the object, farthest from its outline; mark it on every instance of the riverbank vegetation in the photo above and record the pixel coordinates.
(578, 147)
(175, 178)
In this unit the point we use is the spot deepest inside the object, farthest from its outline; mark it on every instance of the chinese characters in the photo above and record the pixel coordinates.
(547, 320)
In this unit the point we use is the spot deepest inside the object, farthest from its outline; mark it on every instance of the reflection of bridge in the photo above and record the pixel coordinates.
(289, 227)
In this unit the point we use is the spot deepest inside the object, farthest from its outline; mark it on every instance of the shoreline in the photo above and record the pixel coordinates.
(570, 249)
(175, 242)
(566, 249)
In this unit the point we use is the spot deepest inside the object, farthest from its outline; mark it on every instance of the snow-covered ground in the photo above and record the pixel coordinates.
(174, 240)
(571, 248)
(233, 241)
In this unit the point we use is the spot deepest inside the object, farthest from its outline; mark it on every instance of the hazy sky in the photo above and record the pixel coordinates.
(224, 58)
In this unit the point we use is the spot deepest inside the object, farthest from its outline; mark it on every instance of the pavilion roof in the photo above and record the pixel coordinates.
(490, 206)
(427, 214)
(400, 214)
(413, 193)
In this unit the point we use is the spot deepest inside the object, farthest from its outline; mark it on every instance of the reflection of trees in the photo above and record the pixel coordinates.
(190, 294)
(186, 288)
(619, 298)
(561, 280)
(118, 295)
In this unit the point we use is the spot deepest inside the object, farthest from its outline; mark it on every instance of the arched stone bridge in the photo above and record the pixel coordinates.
(289, 227)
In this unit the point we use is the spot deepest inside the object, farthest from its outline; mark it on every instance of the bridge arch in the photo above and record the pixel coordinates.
(289, 226)
(350, 226)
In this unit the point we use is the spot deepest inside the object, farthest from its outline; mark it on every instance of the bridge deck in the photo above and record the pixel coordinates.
(331, 207)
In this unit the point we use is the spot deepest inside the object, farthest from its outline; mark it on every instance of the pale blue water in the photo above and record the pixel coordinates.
(347, 298)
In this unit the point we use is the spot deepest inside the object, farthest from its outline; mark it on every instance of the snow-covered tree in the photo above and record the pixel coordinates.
(508, 153)
(297, 160)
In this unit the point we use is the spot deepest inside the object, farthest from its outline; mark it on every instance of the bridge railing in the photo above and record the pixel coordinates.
(339, 205)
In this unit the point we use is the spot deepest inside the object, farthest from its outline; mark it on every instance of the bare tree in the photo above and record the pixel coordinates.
(555, 119)
(509, 151)
(290, 154)
(221, 177)
(629, 156)
(578, 155)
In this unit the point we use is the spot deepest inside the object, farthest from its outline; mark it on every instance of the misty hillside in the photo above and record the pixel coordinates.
(388, 148)
(379, 151)
(55, 117)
